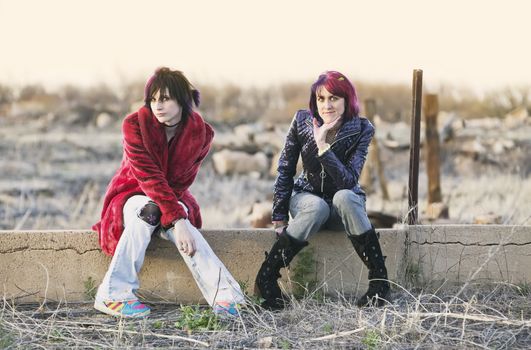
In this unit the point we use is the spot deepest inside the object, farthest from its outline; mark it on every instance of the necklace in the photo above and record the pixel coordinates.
(171, 126)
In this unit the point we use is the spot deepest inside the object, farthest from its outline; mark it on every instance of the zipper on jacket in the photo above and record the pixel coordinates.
(323, 175)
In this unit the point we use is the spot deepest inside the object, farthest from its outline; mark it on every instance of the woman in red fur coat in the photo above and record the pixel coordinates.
(164, 143)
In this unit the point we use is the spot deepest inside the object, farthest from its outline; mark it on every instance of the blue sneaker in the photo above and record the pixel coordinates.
(226, 309)
(129, 309)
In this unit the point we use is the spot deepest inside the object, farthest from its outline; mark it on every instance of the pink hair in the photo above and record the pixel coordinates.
(337, 84)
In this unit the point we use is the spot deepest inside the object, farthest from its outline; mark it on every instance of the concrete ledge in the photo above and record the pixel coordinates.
(57, 265)
(461, 253)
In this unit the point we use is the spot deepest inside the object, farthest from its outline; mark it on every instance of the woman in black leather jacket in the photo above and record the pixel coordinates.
(332, 140)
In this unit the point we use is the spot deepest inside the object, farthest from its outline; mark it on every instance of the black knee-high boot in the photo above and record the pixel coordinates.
(368, 248)
(281, 254)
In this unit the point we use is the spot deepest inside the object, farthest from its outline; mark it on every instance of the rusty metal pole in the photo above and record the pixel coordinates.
(414, 149)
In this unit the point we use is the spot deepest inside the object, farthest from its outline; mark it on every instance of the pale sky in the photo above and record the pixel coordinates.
(479, 44)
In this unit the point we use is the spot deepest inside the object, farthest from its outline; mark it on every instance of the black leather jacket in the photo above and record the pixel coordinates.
(336, 169)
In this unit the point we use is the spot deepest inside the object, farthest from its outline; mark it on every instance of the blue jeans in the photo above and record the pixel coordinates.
(311, 213)
(121, 280)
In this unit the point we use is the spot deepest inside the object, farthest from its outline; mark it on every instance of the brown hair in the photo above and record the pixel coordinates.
(179, 89)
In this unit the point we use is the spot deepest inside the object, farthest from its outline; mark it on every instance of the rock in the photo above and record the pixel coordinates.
(516, 118)
(488, 219)
(437, 210)
(502, 146)
(394, 135)
(473, 148)
(451, 124)
(103, 120)
(269, 139)
(227, 162)
(247, 131)
(260, 216)
(482, 124)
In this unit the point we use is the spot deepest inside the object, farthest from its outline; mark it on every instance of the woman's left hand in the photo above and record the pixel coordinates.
(319, 132)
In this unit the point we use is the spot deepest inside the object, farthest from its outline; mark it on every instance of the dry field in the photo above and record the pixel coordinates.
(475, 317)
(54, 176)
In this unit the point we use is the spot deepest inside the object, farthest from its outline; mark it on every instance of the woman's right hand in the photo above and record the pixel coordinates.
(319, 132)
(184, 240)
(279, 226)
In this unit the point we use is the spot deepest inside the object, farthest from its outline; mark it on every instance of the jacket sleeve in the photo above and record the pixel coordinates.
(287, 167)
(150, 177)
(346, 176)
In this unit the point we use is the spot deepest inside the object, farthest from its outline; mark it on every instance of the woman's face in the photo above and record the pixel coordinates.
(330, 107)
(166, 110)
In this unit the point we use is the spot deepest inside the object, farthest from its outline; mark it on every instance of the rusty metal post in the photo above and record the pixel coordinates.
(414, 149)
(433, 162)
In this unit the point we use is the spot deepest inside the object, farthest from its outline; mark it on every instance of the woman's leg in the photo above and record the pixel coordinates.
(348, 213)
(121, 279)
(308, 212)
(212, 277)
(348, 208)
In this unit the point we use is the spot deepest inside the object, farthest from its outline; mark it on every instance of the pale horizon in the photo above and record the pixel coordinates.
(476, 44)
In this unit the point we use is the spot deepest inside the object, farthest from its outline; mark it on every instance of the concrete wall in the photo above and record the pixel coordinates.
(57, 265)
(461, 253)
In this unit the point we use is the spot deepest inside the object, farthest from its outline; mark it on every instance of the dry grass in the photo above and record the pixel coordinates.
(482, 317)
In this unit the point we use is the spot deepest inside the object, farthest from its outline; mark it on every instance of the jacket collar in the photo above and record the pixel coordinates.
(195, 135)
(349, 128)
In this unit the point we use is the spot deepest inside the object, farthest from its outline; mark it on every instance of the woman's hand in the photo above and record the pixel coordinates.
(319, 132)
(279, 226)
(184, 240)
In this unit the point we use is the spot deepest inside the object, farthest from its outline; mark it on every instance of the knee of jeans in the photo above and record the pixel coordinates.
(150, 213)
(319, 208)
(346, 198)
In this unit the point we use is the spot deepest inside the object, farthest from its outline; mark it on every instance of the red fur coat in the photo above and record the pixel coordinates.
(152, 167)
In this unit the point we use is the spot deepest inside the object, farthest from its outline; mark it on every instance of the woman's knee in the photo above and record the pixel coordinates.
(143, 219)
(347, 198)
(133, 206)
(317, 207)
(150, 213)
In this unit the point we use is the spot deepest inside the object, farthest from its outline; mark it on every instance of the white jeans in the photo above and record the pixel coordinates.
(121, 280)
